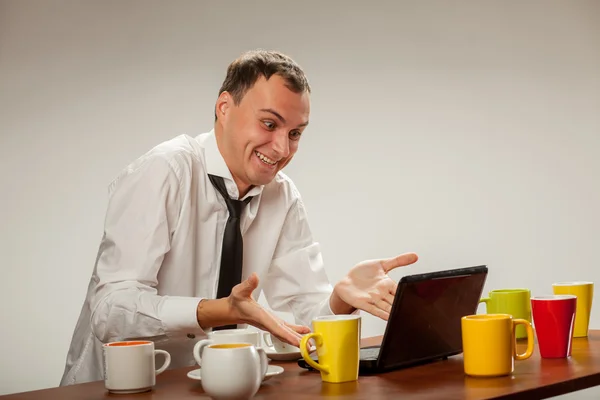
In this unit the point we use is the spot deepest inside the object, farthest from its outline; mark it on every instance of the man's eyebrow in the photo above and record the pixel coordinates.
(275, 113)
(279, 116)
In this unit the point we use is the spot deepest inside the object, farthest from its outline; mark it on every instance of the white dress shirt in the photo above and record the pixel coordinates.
(161, 250)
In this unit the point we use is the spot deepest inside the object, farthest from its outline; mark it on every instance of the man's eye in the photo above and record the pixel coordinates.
(295, 135)
(269, 125)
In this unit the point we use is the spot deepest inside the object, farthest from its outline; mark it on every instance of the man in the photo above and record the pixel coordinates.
(179, 219)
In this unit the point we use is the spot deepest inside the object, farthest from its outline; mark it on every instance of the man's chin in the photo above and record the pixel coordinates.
(263, 180)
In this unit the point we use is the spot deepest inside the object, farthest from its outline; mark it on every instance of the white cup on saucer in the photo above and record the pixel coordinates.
(233, 337)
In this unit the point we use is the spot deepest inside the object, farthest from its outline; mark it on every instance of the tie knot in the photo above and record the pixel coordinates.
(234, 206)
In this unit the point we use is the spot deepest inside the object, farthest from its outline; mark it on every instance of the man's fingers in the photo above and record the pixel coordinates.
(301, 329)
(280, 329)
(261, 318)
(389, 300)
(288, 335)
(399, 261)
(382, 301)
(388, 290)
(376, 311)
(384, 305)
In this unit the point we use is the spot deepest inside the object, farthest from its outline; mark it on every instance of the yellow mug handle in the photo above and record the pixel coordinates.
(304, 351)
(530, 341)
(485, 300)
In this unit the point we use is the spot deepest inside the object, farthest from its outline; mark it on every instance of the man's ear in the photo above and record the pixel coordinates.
(224, 103)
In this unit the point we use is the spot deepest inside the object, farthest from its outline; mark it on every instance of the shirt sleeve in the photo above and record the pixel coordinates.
(297, 281)
(142, 214)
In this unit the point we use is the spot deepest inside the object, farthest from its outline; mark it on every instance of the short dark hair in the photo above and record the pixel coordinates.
(244, 71)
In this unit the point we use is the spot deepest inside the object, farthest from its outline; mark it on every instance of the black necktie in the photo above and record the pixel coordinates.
(232, 252)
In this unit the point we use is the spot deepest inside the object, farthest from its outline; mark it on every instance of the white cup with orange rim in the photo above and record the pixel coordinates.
(129, 366)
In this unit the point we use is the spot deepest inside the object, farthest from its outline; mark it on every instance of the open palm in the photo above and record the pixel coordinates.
(368, 287)
(248, 311)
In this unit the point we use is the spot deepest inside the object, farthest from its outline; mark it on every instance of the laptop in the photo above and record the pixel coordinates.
(425, 321)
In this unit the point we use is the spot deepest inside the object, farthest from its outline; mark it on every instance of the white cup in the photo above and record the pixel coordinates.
(277, 345)
(232, 371)
(129, 366)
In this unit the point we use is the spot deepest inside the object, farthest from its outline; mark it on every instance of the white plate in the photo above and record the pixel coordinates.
(272, 370)
(291, 356)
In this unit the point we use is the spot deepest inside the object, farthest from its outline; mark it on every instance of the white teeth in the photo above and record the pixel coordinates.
(264, 158)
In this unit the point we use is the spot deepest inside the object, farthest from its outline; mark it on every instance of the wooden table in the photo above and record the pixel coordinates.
(534, 378)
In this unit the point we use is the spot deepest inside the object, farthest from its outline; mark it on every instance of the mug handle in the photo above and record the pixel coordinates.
(198, 349)
(266, 336)
(530, 342)
(304, 351)
(485, 300)
(264, 361)
(166, 363)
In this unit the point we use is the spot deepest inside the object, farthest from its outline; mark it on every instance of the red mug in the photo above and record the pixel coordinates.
(554, 321)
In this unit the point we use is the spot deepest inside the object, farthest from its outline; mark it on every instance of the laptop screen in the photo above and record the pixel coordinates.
(426, 316)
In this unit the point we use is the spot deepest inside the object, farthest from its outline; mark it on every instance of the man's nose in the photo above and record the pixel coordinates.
(281, 144)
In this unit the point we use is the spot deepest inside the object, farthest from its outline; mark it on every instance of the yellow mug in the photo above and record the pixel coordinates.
(489, 344)
(337, 338)
(585, 293)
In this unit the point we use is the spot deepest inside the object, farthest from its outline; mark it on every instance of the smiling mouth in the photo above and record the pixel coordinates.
(266, 160)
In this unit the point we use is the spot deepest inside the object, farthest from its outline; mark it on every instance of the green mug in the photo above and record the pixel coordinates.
(515, 302)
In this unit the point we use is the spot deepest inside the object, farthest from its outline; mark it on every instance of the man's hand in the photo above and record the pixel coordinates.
(368, 287)
(240, 308)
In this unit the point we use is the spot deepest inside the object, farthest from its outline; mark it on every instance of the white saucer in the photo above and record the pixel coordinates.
(272, 370)
(289, 356)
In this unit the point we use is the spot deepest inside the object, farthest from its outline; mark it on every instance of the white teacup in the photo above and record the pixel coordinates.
(277, 345)
(129, 366)
(231, 371)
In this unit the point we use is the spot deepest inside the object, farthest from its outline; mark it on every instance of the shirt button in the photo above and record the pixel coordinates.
(191, 335)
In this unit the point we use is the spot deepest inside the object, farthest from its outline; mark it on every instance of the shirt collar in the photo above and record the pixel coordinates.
(215, 165)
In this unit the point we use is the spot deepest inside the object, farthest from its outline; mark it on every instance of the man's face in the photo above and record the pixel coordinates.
(261, 134)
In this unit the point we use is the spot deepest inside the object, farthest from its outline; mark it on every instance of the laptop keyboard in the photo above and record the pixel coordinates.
(369, 353)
